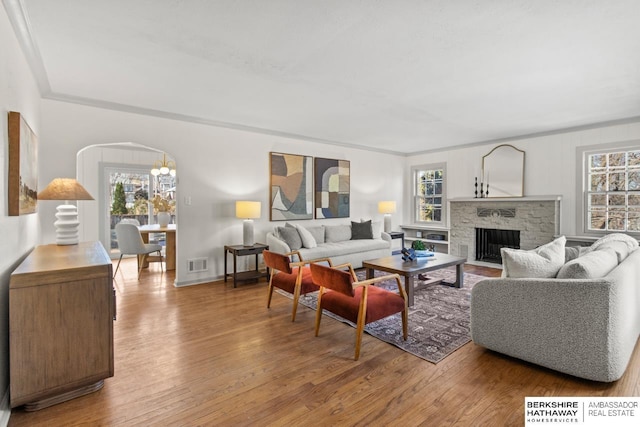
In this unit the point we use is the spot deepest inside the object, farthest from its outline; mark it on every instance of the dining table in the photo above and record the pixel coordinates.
(170, 241)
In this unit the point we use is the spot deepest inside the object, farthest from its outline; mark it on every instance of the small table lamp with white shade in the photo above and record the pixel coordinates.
(67, 223)
(387, 208)
(249, 211)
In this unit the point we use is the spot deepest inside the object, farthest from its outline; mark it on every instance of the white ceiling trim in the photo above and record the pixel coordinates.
(199, 120)
(20, 21)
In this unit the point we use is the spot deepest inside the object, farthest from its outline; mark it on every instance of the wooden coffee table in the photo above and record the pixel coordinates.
(410, 269)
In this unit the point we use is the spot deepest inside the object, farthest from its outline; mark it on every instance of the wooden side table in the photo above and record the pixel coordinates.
(241, 250)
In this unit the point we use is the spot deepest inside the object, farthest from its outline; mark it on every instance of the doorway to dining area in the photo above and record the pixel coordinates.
(129, 185)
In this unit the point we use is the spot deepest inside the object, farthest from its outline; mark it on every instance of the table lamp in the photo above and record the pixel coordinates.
(247, 210)
(67, 223)
(387, 208)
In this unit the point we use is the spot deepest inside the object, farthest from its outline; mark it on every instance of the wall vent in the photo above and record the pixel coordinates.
(197, 264)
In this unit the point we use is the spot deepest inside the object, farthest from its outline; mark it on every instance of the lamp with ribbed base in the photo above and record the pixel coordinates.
(67, 216)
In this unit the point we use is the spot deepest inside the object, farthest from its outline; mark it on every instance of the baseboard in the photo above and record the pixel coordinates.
(5, 409)
(196, 281)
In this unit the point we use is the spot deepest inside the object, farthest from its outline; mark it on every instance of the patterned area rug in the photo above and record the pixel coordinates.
(438, 320)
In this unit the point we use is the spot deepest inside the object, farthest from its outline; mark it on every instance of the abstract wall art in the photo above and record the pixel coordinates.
(332, 188)
(23, 166)
(291, 187)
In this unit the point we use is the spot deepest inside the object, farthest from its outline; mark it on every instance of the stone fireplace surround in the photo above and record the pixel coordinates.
(537, 218)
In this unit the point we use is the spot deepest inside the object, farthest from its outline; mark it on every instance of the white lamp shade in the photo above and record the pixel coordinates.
(247, 210)
(387, 207)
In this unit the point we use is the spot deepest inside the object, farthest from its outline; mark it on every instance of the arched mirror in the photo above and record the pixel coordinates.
(503, 171)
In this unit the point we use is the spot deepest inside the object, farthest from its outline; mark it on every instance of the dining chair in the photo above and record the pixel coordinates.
(291, 277)
(130, 243)
(360, 302)
(130, 221)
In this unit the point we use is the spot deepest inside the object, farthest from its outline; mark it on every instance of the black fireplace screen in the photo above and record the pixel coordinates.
(489, 241)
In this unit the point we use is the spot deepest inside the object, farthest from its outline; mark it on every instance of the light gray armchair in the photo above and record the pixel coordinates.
(130, 243)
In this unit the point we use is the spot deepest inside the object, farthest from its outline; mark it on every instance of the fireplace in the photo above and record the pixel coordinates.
(537, 218)
(490, 240)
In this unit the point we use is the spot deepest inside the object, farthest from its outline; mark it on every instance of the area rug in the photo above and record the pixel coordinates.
(438, 321)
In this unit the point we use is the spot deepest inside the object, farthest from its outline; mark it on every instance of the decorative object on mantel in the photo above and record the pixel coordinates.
(23, 167)
(476, 188)
(387, 208)
(505, 163)
(164, 167)
(249, 211)
(67, 223)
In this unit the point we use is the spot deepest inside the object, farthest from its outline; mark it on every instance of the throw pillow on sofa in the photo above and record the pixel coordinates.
(317, 232)
(542, 262)
(631, 243)
(361, 230)
(592, 265)
(376, 228)
(308, 241)
(573, 252)
(291, 237)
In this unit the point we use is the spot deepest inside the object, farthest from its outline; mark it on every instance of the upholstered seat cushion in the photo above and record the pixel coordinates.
(380, 304)
(335, 249)
(287, 282)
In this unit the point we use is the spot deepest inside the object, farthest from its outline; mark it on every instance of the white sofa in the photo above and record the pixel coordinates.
(337, 242)
(586, 326)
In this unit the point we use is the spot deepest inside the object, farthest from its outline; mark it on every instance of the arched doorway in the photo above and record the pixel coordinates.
(100, 167)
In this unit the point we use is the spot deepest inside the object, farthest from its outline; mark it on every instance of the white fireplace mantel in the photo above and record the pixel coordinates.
(537, 218)
(507, 199)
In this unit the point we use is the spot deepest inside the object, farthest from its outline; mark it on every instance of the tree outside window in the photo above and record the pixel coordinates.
(613, 191)
(429, 184)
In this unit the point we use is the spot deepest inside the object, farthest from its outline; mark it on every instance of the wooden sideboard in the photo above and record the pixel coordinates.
(61, 313)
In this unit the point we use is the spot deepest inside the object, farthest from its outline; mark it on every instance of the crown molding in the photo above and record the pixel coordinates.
(19, 18)
(203, 121)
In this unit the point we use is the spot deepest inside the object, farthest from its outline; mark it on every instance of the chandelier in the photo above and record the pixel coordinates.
(164, 168)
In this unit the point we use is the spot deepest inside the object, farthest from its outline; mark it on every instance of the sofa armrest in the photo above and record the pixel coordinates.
(277, 245)
(386, 236)
(563, 324)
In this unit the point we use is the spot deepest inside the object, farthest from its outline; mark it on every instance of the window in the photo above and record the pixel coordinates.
(612, 190)
(429, 193)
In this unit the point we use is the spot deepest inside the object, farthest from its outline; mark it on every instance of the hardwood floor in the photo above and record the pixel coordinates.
(214, 355)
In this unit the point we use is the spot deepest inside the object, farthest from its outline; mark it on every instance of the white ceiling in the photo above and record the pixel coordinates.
(403, 76)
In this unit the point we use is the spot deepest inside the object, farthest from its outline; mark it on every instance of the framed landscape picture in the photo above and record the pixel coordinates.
(332, 188)
(291, 187)
(23, 166)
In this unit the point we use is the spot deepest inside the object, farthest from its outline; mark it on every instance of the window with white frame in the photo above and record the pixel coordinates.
(612, 190)
(429, 183)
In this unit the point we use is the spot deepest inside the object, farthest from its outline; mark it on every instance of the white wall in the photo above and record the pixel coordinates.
(18, 234)
(550, 166)
(216, 167)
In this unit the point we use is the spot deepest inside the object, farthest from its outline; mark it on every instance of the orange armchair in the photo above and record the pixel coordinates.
(291, 277)
(341, 293)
